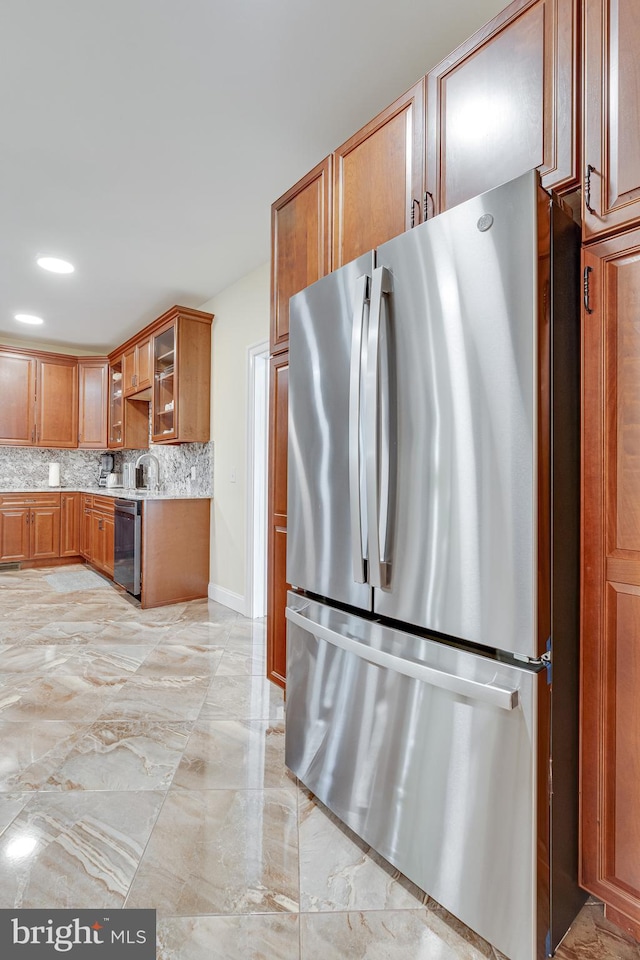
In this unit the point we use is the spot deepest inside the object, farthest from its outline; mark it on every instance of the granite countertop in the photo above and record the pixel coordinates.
(126, 494)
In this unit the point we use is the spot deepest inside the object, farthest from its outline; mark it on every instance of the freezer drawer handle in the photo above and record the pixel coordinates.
(355, 387)
(484, 692)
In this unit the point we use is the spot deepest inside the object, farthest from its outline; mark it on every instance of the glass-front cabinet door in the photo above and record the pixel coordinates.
(116, 405)
(164, 384)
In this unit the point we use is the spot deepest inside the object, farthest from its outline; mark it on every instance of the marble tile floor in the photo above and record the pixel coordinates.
(141, 765)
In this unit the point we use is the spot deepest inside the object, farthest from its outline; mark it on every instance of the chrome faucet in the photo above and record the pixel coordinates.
(155, 486)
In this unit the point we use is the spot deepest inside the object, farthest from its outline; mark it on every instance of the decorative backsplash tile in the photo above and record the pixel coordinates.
(175, 467)
(24, 468)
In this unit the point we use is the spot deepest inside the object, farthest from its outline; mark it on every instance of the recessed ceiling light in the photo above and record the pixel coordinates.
(55, 265)
(28, 318)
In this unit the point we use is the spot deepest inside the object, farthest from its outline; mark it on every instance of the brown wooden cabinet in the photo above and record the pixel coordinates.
(14, 533)
(277, 513)
(136, 367)
(611, 187)
(17, 389)
(57, 401)
(97, 532)
(128, 419)
(29, 526)
(39, 399)
(505, 101)
(300, 244)
(86, 506)
(181, 400)
(610, 668)
(379, 178)
(92, 403)
(70, 524)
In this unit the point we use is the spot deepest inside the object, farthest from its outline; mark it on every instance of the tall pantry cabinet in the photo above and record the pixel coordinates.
(610, 675)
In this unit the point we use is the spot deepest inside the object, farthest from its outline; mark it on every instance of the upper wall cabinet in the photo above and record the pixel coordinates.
(379, 179)
(39, 399)
(300, 245)
(17, 408)
(136, 367)
(57, 402)
(611, 188)
(506, 101)
(92, 403)
(181, 351)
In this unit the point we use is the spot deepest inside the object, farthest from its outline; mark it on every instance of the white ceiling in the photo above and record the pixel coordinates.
(145, 140)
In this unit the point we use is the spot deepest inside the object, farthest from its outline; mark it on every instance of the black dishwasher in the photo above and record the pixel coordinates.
(127, 545)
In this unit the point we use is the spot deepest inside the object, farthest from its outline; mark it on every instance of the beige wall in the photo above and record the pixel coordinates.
(241, 320)
(49, 347)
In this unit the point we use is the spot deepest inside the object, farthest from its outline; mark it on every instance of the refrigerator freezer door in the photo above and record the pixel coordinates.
(326, 519)
(461, 327)
(429, 754)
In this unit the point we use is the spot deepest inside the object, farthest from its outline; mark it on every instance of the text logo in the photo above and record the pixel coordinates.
(80, 934)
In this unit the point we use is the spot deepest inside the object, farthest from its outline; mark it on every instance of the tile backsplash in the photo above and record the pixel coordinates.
(24, 468)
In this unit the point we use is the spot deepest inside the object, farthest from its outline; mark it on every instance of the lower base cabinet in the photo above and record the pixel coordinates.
(29, 527)
(48, 528)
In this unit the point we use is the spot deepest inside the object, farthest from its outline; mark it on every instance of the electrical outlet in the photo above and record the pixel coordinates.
(193, 473)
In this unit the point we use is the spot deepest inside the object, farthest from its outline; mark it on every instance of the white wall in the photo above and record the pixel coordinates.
(241, 320)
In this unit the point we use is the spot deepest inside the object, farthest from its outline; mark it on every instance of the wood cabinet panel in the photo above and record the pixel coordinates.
(379, 178)
(57, 402)
(85, 530)
(277, 511)
(144, 365)
(175, 551)
(70, 524)
(611, 189)
(300, 244)
(14, 534)
(506, 101)
(17, 389)
(136, 367)
(92, 404)
(610, 661)
(44, 523)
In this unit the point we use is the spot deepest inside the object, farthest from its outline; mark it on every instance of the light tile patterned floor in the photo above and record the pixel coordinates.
(141, 765)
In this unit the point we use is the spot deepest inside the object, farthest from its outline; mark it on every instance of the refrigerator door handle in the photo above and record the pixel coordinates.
(489, 693)
(374, 439)
(358, 552)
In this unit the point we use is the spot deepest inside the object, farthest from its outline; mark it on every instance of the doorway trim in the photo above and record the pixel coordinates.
(256, 508)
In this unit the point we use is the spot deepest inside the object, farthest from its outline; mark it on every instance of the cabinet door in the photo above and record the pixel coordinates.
(85, 531)
(611, 191)
(504, 102)
(116, 406)
(610, 668)
(300, 244)
(44, 524)
(57, 403)
(108, 530)
(379, 178)
(98, 540)
(165, 400)
(14, 534)
(143, 364)
(70, 524)
(17, 389)
(277, 507)
(129, 371)
(92, 404)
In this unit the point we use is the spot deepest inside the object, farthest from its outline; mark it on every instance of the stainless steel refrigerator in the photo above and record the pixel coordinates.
(433, 536)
